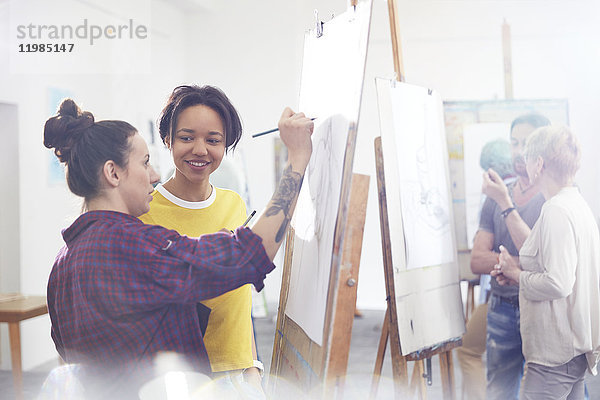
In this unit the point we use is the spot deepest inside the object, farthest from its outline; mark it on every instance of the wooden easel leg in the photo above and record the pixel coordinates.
(399, 372)
(447, 375)
(380, 356)
(451, 375)
(347, 288)
(470, 301)
(417, 382)
(14, 333)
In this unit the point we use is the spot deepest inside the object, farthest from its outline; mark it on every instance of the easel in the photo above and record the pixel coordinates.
(319, 370)
(327, 363)
(390, 325)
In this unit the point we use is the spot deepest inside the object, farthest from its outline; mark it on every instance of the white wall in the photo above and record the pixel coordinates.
(45, 209)
(10, 253)
(455, 47)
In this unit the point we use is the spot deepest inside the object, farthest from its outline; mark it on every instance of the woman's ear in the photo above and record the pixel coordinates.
(539, 164)
(167, 142)
(111, 173)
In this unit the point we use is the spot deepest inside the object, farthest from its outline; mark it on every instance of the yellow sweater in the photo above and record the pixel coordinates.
(228, 337)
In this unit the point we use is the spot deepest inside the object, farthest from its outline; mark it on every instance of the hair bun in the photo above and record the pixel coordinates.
(68, 108)
(81, 119)
(62, 130)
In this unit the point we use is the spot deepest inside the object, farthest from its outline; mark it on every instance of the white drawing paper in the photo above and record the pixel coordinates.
(330, 90)
(424, 193)
(428, 301)
(314, 225)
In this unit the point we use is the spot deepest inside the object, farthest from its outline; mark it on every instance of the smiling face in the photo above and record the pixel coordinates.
(198, 144)
(136, 185)
(518, 136)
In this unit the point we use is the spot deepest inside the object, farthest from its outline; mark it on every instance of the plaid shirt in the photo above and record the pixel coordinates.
(120, 291)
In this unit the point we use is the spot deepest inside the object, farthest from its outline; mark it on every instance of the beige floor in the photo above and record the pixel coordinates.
(365, 337)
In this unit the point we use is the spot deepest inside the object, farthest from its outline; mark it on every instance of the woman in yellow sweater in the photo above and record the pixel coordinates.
(199, 125)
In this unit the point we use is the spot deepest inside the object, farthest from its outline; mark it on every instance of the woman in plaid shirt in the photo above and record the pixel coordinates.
(121, 291)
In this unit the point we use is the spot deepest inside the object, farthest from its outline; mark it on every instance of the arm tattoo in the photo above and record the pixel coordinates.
(288, 189)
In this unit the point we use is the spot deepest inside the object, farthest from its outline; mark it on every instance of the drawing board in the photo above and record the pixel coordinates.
(331, 87)
(325, 238)
(423, 248)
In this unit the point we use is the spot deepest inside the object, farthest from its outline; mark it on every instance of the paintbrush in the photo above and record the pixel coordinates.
(270, 131)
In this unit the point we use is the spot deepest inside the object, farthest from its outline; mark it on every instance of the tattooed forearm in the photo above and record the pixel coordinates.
(289, 187)
(282, 228)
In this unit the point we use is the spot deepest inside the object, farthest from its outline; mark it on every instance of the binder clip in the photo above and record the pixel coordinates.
(318, 25)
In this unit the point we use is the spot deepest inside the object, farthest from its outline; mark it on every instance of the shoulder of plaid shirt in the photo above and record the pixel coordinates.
(121, 291)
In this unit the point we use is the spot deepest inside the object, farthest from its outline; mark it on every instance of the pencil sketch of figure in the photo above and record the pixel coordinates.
(426, 206)
(424, 194)
(314, 224)
(430, 201)
(323, 178)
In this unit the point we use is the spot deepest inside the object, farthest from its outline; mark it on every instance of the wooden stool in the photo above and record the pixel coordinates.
(15, 308)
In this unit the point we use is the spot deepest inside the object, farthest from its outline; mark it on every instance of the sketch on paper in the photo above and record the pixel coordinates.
(314, 225)
(428, 303)
(330, 90)
(424, 192)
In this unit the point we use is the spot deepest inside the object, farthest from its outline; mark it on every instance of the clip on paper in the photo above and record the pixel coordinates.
(318, 25)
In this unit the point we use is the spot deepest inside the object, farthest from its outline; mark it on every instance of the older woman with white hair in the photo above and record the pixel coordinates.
(558, 275)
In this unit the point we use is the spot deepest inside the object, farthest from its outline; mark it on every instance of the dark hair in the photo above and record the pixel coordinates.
(533, 119)
(495, 154)
(187, 96)
(84, 145)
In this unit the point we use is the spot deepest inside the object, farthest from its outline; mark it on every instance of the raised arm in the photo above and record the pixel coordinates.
(494, 187)
(197, 269)
(295, 130)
